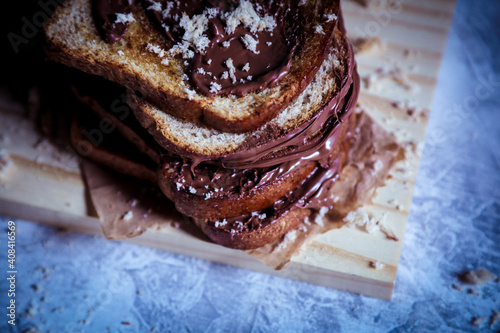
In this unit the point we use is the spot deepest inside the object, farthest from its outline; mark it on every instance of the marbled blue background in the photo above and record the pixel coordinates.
(69, 282)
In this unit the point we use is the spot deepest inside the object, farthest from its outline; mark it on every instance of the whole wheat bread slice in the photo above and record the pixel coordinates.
(195, 139)
(72, 39)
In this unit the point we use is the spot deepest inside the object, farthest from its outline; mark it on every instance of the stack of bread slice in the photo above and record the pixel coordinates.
(247, 160)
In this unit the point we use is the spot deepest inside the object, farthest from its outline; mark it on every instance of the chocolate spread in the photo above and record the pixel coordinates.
(254, 168)
(227, 59)
(105, 13)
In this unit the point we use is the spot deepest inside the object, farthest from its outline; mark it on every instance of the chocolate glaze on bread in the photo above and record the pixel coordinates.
(255, 185)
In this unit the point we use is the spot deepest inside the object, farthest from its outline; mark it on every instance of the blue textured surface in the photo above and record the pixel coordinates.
(70, 282)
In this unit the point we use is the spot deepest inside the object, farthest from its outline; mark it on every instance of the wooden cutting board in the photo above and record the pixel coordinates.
(399, 75)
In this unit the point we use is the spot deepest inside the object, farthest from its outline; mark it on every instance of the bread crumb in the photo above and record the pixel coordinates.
(289, 237)
(128, 216)
(246, 68)
(366, 44)
(495, 318)
(192, 190)
(376, 265)
(479, 321)
(473, 291)
(479, 277)
(360, 218)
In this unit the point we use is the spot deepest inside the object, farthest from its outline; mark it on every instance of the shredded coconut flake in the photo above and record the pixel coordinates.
(169, 5)
(232, 69)
(190, 93)
(215, 87)
(245, 14)
(124, 18)
(220, 224)
(319, 30)
(330, 17)
(155, 49)
(156, 6)
(250, 43)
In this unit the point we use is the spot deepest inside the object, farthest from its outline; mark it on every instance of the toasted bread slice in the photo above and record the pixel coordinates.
(211, 203)
(271, 227)
(217, 205)
(72, 39)
(195, 139)
(109, 149)
(107, 101)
